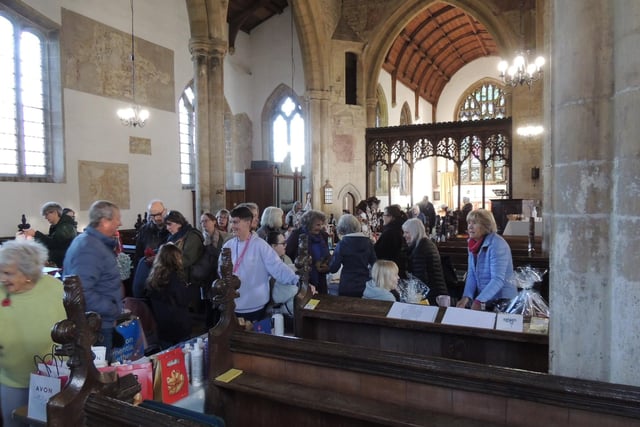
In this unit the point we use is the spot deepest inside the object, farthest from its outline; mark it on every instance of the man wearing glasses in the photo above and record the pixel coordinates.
(153, 233)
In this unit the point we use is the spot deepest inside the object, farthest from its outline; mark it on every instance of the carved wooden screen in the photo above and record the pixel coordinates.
(484, 139)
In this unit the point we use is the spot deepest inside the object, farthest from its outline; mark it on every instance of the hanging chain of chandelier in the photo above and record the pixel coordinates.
(134, 115)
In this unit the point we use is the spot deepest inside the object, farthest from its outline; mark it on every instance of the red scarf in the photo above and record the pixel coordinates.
(475, 245)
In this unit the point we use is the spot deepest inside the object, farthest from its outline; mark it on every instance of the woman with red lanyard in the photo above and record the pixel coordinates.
(254, 262)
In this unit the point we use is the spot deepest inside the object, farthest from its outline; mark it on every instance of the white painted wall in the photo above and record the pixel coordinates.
(93, 132)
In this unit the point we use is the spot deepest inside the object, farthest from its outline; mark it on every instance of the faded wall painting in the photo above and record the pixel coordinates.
(96, 59)
(103, 181)
(139, 145)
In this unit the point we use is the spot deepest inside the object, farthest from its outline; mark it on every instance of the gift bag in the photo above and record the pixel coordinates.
(41, 389)
(128, 341)
(170, 380)
(144, 375)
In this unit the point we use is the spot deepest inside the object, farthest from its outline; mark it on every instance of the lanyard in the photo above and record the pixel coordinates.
(244, 251)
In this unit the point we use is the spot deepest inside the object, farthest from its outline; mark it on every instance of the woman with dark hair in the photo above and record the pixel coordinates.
(191, 244)
(185, 237)
(391, 244)
(312, 225)
(169, 296)
(282, 293)
(424, 259)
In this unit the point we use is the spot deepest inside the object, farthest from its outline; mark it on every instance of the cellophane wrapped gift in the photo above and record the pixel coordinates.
(412, 290)
(528, 302)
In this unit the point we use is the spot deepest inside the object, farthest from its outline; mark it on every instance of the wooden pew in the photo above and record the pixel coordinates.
(295, 381)
(363, 322)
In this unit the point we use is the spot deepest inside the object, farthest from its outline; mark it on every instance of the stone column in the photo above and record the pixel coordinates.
(318, 132)
(593, 181)
(208, 56)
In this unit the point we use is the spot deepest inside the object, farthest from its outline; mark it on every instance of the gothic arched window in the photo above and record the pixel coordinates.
(484, 100)
(287, 133)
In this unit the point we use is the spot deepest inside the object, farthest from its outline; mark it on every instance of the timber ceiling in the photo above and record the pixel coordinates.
(434, 45)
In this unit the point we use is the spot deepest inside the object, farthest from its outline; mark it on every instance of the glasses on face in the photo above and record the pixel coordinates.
(155, 215)
(280, 243)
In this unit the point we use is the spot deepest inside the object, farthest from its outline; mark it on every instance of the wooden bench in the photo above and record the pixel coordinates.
(363, 322)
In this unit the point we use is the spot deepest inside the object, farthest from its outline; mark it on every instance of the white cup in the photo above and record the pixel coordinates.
(278, 324)
(443, 300)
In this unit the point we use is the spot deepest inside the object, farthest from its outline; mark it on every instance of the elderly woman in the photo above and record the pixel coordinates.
(31, 305)
(312, 225)
(271, 221)
(223, 221)
(424, 259)
(62, 231)
(210, 231)
(355, 254)
(490, 263)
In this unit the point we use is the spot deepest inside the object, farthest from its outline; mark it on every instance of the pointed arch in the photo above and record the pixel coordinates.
(405, 114)
(382, 109)
(349, 196)
(275, 115)
(498, 26)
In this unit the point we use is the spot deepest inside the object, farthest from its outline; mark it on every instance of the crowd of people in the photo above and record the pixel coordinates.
(374, 252)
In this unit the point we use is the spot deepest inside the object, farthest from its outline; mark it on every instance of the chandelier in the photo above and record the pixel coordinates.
(133, 115)
(521, 71)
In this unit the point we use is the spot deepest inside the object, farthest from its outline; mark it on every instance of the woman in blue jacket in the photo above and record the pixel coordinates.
(355, 253)
(490, 263)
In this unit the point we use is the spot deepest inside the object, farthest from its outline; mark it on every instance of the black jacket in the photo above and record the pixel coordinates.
(149, 236)
(59, 238)
(392, 246)
(425, 264)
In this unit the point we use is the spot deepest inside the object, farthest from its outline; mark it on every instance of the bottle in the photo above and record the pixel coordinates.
(197, 361)
(187, 359)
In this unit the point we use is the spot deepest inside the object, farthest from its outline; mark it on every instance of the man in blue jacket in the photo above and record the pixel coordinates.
(92, 258)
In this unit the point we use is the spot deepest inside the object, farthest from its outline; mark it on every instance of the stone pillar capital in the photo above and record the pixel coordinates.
(207, 47)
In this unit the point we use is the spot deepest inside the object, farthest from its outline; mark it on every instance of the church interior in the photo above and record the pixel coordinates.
(222, 89)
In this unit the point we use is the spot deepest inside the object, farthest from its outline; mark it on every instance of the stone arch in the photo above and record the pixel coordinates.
(483, 10)
(351, 192)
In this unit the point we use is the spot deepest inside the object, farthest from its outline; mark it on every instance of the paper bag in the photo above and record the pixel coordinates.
(143, 373)
(170, 380)
(41, 389)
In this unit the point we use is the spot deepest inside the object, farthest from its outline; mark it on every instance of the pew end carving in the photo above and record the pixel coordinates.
(77, 334)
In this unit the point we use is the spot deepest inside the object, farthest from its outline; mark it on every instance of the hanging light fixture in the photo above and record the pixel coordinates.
(521, 70)
(133, 115)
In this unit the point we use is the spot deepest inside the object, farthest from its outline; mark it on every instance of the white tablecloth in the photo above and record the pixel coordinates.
(521, 228)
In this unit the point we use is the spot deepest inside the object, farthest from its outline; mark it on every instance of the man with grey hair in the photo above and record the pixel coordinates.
(92, 258)
(62, 231)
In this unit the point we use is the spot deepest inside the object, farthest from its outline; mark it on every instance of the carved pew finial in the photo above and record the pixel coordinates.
(77, 333)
